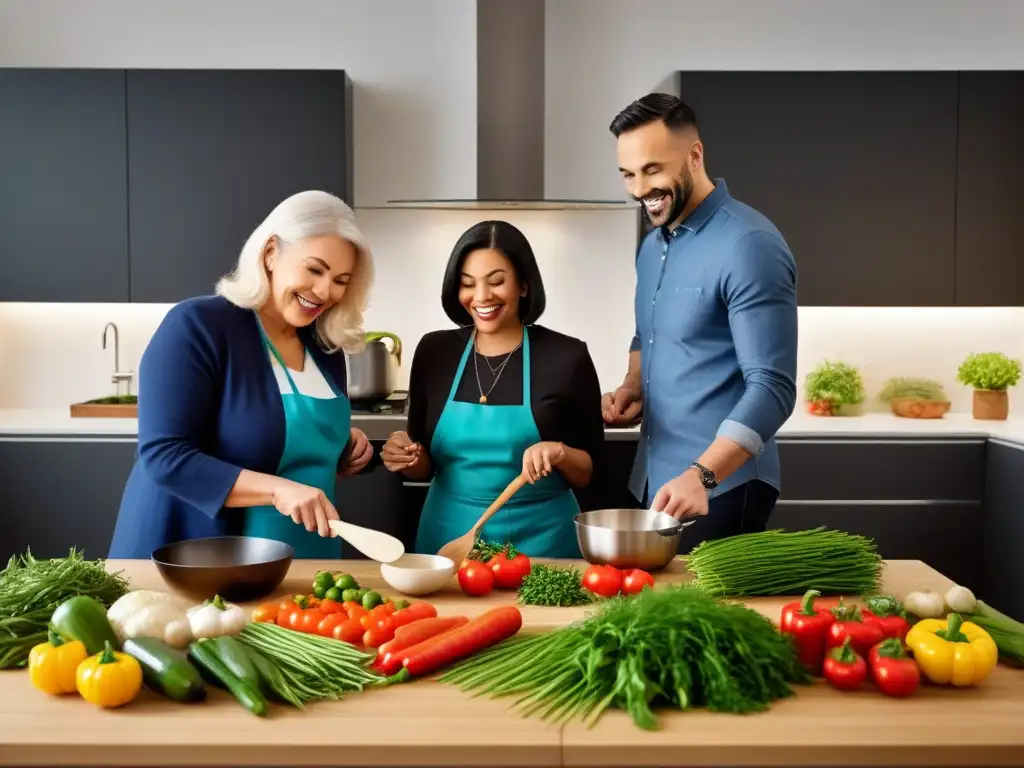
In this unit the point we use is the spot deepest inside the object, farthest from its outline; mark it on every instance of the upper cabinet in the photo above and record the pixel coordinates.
(856, 169)
(63, 190)
(990, 190)
(211, 153)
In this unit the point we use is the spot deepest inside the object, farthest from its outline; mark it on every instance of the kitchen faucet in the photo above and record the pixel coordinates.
(121, 379)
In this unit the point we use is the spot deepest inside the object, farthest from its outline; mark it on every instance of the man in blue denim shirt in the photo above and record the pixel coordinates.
(712, 366)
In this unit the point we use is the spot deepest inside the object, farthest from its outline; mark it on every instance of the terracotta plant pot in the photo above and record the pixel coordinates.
(991, 404)
(821, 408)
(918, 408)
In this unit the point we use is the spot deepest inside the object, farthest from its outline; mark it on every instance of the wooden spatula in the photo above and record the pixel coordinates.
(374, 544)
(459, 549)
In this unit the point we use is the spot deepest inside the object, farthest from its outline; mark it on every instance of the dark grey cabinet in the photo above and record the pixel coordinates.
(856, 169)
(375, 498)
(63, 186)
(990, 197)
(211, 153)
(62, 493)
(1004, 530)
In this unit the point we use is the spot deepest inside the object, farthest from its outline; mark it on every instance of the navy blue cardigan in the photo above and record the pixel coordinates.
(209, 406)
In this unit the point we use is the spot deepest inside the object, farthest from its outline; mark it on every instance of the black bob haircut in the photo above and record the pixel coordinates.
(671, 110)
(500, 236)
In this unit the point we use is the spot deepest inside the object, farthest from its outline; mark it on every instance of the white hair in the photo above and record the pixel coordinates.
(307, 214)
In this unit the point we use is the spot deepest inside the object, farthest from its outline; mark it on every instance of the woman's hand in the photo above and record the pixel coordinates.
(400, 453)
(306, 506)
(360, 454)
(539, 460)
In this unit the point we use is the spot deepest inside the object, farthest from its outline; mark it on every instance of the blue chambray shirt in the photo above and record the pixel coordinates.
(716, 326)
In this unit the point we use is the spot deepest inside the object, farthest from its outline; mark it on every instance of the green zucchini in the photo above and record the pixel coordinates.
(165, 670)
(204, 653)
(238, 662)
(271, 680)
(84, 619)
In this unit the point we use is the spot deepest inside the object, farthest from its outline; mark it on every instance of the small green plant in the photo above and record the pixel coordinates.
(836, 383)
(989, 371)
(919, 389)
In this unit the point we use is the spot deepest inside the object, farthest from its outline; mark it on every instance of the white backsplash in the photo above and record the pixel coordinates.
(51, 354)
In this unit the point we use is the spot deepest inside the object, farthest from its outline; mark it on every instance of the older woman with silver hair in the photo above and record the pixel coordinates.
(244, 422)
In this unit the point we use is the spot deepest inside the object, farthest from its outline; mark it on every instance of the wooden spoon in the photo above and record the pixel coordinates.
(459, 549)
(374, 544)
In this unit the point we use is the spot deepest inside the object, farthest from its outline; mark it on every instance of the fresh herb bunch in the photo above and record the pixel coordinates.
(921, 389)
(551, 585)
(677, 646)
(778, 562)
(837, 383)
(31, 589)
(485, 550)
(989, 371)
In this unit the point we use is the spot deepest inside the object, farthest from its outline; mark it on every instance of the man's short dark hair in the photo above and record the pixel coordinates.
(670, 109)
(500, 236)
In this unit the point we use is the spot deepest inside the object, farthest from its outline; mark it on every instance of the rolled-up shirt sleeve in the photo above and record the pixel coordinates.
(759, 289)
(634, 345)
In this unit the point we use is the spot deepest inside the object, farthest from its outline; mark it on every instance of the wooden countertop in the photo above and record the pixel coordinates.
(425, 723)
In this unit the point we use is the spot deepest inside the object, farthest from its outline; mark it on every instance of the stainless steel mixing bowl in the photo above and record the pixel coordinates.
(238, 568)
(628, 538)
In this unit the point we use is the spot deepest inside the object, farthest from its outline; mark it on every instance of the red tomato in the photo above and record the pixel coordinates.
(330, 606)
(358, 612)
(635, 580)
(309, 620)
(349, 632)
(509, 573)
(603, 580)
(476, 579)
(330, 621)
(375, 638)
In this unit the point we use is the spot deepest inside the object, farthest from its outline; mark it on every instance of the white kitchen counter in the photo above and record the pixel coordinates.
(18, 424)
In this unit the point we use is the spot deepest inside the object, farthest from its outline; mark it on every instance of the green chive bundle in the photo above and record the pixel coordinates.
(312, 667)
(778, 562)
(676, 647)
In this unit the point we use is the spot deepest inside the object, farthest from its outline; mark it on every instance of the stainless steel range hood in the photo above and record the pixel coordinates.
(510, 115)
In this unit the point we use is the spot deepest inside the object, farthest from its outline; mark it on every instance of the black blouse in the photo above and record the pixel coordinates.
(565, 394)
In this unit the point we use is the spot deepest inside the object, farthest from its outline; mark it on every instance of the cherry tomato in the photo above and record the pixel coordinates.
(368, 621)
(358, 612)
(509, 573)
(349, 632)
(634, 580)
(603, 580)
(476, 579)
(266, 612)
(326, 627)
(309, 620)
(330, 606)
(349, 605)
(373, 638)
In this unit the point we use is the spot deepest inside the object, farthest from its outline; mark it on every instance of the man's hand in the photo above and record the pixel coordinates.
(621, 407)
(682, 496)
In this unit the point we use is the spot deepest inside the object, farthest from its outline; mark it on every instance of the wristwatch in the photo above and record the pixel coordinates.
(707, 477)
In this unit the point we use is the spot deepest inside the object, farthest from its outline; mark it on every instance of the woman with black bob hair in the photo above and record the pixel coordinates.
(497, 396)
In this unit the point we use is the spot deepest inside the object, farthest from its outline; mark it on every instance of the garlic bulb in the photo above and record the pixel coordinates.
(925, 604)
(961, 600)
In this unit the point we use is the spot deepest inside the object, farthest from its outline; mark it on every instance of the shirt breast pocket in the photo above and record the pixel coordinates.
(680, 311)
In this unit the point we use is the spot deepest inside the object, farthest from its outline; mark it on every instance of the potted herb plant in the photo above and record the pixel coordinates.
(833, 389)
(915, 398)
(991, 374)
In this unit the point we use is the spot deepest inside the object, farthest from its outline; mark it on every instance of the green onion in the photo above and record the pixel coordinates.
(778, 562)
(312, 667)
(677, 647)
(1007, 633)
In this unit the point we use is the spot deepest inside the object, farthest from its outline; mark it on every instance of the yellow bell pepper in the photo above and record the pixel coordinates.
(953, 651)
(52, 665)
(110, 678)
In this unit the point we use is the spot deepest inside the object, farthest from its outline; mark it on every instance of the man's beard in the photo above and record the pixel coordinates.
(680, 195)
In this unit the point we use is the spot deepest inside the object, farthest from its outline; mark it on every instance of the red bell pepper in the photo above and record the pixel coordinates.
(390, 655)
(808, 625)
(482, 632)
(894, 672)
(844, 668)
(891, 616)
(857, 624)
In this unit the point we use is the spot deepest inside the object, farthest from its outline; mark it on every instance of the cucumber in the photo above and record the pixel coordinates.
(232, 654)
(84, 619)
(165, 670)
(271, 680)
(204, 653)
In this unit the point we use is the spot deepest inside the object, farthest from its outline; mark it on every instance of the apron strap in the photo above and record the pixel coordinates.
(526, 368)
(269, 345)
(462, 366)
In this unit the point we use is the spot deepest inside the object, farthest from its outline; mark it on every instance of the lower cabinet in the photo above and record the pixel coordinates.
(375, 498)
(62, 493)
(1003, 566)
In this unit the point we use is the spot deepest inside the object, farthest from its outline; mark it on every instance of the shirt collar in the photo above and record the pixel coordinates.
(703, 212)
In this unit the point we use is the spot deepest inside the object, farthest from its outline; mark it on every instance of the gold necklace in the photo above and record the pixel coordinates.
(500, 370)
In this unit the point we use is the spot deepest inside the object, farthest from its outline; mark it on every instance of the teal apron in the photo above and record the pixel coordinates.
(316, 433)
(476, 451)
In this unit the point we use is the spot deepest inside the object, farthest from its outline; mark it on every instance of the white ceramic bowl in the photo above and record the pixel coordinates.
(418, 574)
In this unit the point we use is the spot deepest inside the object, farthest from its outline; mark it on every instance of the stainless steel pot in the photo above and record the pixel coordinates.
(628, 538)
(372, 372)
